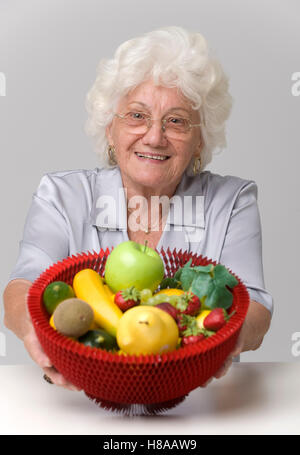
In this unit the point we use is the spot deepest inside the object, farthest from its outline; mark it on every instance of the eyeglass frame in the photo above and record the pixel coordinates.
(163, 121)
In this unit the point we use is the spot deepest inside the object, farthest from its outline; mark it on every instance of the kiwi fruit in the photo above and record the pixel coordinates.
(73, 317)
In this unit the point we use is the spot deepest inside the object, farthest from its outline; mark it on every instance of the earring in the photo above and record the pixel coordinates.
(197, 165)
(111, 155)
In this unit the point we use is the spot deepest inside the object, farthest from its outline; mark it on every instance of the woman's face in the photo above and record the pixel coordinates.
(156, 102)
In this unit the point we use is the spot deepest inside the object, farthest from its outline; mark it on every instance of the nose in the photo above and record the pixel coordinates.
(155, 136)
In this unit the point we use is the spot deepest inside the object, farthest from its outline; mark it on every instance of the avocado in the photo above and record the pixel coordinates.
(99, 339)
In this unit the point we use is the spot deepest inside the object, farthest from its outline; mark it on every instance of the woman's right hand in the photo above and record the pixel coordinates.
(17, 319)
(37, 354)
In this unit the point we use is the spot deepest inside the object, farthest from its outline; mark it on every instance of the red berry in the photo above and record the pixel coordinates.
(189, 303)
(216, 319)
(192, 339)
(194, 306)
(190, 331)
(127, 298)
(181, 325)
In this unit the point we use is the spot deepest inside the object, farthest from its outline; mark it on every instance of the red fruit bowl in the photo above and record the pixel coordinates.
(119, 381)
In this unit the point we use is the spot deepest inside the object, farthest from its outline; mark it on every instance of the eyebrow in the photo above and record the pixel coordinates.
(171, 109)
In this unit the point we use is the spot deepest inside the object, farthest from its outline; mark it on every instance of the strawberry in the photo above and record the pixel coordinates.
(216, 319)
(182, 326)
(188, 303)
(184, 322)
(192, 339)
(127, 298)
(190, 330)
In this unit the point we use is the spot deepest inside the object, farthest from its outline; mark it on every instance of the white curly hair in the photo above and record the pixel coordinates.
(172, 57)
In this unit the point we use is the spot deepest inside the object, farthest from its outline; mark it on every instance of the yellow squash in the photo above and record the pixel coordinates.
(88, 286)
(109, 292)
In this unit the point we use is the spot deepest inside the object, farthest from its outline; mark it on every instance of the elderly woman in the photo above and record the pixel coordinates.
(157, 110)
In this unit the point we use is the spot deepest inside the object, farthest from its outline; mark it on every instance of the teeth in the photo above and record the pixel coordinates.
(157, 157)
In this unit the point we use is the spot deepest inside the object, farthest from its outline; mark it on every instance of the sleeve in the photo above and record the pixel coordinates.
(242, 248)
(45, 234)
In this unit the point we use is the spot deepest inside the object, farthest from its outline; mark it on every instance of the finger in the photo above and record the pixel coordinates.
(237, 350)
(35, 350)
(224, 368)
(238, 346)
(207, 382)
(58, 379)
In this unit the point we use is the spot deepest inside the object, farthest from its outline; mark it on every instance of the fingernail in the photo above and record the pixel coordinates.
(76, 389)
(47, 362)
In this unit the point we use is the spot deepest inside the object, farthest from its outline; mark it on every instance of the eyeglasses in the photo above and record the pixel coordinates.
(172, 125)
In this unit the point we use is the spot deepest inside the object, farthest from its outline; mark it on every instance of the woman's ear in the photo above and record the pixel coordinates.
(198, 149)
(108, 132)
(201, 144)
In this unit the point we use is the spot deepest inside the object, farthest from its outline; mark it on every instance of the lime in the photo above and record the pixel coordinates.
(55, 293)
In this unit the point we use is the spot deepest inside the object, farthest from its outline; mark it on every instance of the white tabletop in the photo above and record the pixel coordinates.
(253, 398)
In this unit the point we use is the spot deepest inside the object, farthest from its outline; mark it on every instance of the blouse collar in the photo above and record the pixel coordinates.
(109, 209)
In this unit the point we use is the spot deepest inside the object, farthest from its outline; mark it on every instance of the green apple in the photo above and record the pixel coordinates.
(133, 264)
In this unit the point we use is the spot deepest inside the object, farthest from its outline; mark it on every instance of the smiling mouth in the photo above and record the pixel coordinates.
(153, 157)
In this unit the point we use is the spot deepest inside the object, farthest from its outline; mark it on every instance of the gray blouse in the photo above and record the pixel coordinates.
(222, 222)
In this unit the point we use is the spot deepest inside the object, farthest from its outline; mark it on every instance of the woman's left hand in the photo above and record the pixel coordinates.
(252, 333)
(228, 362)
(239, 347)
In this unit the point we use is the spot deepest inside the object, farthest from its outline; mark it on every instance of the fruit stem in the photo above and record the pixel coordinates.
(146, 242)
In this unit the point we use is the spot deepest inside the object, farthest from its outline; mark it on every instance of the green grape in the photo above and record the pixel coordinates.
(166, 298)
(158, 298)
(150, 301)
(145, 294)
(174, 299)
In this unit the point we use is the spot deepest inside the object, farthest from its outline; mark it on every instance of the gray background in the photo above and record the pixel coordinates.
(49, 51)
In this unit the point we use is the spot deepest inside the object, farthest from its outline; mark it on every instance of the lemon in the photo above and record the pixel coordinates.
(51, 322)
(170, 291)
